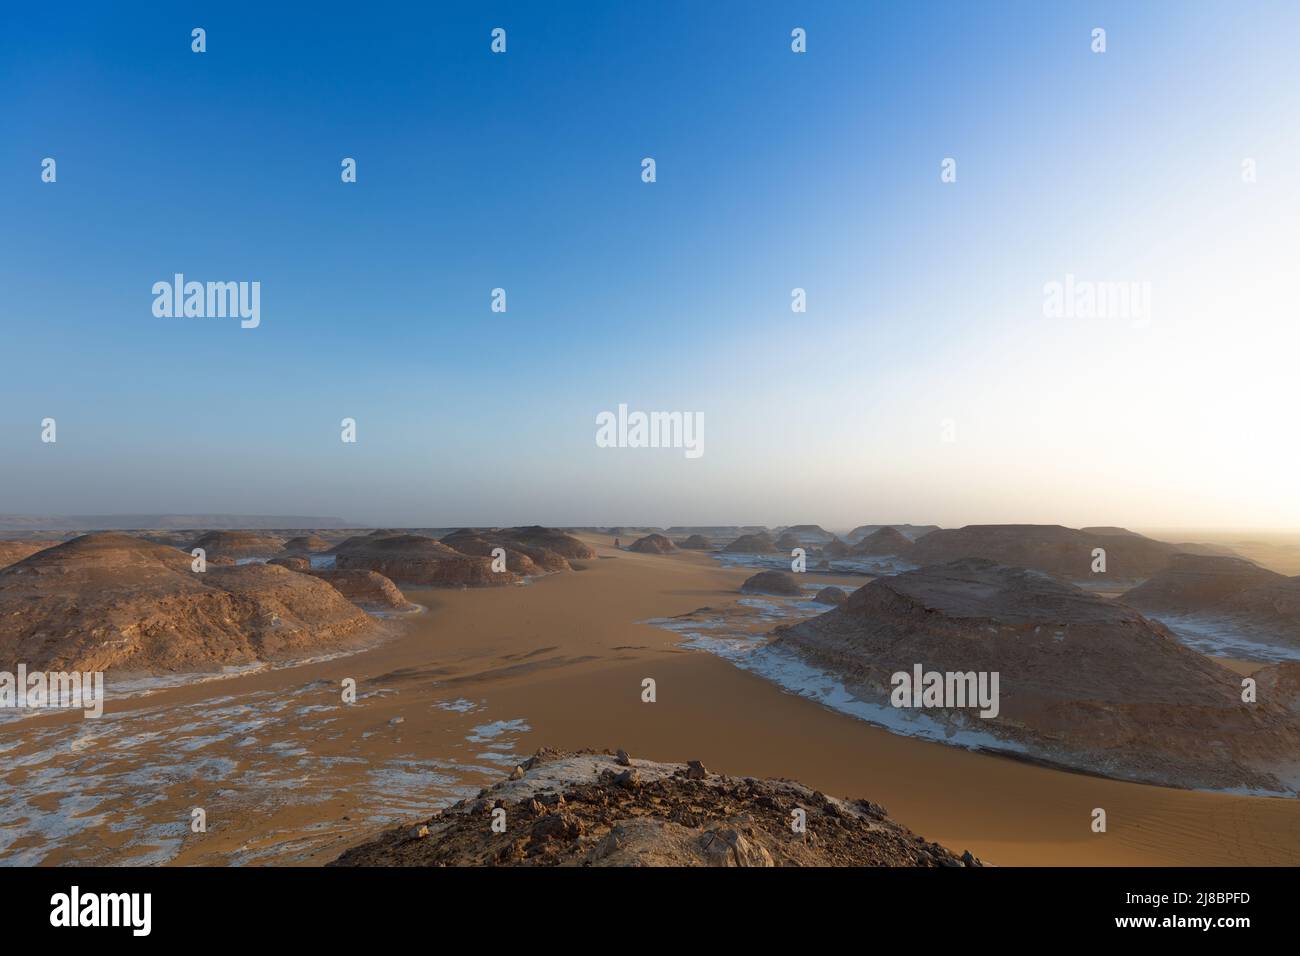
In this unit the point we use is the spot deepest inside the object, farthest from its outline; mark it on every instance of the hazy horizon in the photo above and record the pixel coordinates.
(209, 520)
(926, 381)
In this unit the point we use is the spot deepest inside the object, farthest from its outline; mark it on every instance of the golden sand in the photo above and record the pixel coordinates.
(567, 655)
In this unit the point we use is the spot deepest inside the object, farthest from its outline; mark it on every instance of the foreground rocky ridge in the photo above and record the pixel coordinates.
(594, 809)
(1084, 682)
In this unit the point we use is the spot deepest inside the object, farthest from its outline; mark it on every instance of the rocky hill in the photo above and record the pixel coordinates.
(591, 809)
(884, 541)
(1065, 553)
(652, 544)
(419, 561)
(759, 543)
(1084, 682)
(233, 545)
(109, 601)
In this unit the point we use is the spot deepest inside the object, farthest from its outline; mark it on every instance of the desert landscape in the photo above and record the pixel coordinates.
(442, 443)
(372, 696)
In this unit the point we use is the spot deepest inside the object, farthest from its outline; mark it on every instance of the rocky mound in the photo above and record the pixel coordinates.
(696, 542)
(11, 552)
(1194, 582)
(292, 563)
(588, 809)
(1232, 594)
(307, 544)
(561, 543)
(885, 541)
(521, 557)
(809, 533)
(652, 544)
(909, 531)
(366, 589)
(419, 561)
(835, 548)
(1280, 683)
(109, 601)
(237, 544)
(1062, 552)
(772, 582)
(831, 595)
(1084, 682)
(758, 543)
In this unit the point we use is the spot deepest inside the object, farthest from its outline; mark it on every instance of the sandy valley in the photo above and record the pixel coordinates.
(452, 698)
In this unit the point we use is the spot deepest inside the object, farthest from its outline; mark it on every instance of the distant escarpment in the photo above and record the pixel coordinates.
(590, 809)
(1084, 682)
(109, 601)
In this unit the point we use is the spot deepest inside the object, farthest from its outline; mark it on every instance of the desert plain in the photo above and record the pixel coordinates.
(457, 690)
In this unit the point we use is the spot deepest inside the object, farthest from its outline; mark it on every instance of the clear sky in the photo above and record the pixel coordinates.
(775, 170)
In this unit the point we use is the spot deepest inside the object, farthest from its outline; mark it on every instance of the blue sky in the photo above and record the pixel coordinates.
(775, 170)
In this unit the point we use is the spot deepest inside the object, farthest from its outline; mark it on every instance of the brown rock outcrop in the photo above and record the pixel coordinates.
(1064, 553)
(293, 563)
(772, 582)
(416, 560)
(885, 541)
(587, 809)
(835, 548)
(758, 543)
(366, 589)
(109, 601)
(831, 595)
(521, 557)
(237, 544)
(652, 544)
(1231, 594)
(1084, 682)
(11, 552)
(306, 544)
